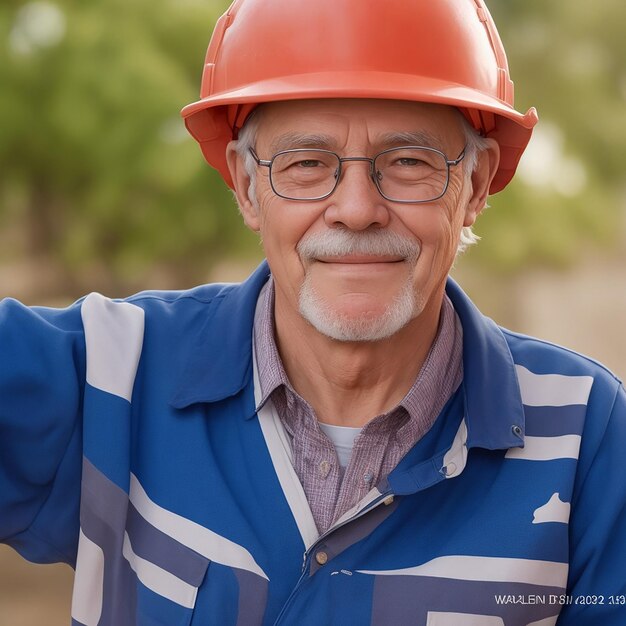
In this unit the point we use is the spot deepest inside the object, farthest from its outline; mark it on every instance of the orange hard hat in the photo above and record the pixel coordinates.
(441, 51)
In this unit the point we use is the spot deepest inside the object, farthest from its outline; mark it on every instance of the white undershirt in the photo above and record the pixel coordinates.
(342, 438)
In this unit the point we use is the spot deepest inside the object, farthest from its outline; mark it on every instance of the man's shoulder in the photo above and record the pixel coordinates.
(552, 374)
(196, 296)
(544, 357)
(231, 297)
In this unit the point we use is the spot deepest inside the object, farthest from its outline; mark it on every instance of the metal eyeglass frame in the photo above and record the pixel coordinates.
(371, 161)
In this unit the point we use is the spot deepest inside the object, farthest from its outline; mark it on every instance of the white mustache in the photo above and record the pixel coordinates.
(340, 242)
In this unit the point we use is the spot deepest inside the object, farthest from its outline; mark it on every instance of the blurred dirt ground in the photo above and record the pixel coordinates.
(33, 595)
(584, 309)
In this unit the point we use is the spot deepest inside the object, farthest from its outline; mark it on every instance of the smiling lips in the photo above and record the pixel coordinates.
(360, 260)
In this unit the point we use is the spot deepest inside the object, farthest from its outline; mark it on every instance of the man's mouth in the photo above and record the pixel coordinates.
(359, 259)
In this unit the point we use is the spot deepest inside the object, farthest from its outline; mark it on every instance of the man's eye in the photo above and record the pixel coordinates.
(308, 163)
(407, 161)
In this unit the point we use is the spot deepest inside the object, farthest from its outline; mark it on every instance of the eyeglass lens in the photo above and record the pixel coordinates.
(401, 174)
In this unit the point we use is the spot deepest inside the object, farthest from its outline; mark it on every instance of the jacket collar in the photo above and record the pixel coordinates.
(493, 403)
(219, 365)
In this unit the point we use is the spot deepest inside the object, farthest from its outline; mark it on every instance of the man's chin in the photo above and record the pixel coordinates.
(358, 323)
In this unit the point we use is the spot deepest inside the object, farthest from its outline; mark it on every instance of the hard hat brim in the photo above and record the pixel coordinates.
(207, 119)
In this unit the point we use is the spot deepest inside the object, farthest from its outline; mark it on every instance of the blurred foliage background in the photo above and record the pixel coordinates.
(100, 187)
(569, 60)
(99, 183)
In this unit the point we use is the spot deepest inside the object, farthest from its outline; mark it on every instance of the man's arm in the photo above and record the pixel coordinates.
(42, 373)
(597, 577)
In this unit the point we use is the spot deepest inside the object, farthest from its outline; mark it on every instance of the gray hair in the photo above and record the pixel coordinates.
(475, 144)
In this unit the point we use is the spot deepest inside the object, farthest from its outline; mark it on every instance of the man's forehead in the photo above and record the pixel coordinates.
(290, 140)
(321, 123)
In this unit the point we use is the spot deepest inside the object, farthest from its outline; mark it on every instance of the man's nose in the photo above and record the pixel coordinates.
(356, 202)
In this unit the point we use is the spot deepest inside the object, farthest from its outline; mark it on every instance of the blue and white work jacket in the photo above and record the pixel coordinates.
(130, 447)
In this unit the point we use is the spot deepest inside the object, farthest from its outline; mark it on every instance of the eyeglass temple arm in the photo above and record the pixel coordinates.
(256, 158)
(458, 159)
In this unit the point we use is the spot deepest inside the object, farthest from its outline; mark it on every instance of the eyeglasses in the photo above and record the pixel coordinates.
(410, 174)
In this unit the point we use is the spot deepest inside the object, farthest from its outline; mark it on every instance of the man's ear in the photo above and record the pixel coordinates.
(241, 181)
(487, 163)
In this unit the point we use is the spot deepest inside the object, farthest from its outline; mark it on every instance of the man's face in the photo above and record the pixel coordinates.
(357, 266)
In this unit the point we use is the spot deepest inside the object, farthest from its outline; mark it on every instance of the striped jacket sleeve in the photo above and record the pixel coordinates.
(597, 576)
(42, 373)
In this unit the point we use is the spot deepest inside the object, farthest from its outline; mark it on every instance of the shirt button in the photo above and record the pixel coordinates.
(321, 557)
(368, 477)
(324, 468)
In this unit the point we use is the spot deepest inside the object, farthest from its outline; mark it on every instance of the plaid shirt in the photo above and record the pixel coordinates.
(383, 441)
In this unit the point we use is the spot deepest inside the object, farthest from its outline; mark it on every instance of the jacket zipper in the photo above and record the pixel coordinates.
(309, 553)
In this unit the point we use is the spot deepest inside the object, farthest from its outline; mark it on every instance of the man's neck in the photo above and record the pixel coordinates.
(350, 383)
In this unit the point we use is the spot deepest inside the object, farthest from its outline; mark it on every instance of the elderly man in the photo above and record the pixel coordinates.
(343, 438)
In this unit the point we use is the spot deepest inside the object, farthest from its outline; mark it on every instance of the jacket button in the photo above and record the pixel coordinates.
(321, 558)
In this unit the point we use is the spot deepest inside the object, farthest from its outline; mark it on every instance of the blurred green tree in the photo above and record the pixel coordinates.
(569, 60)
(98, 175)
